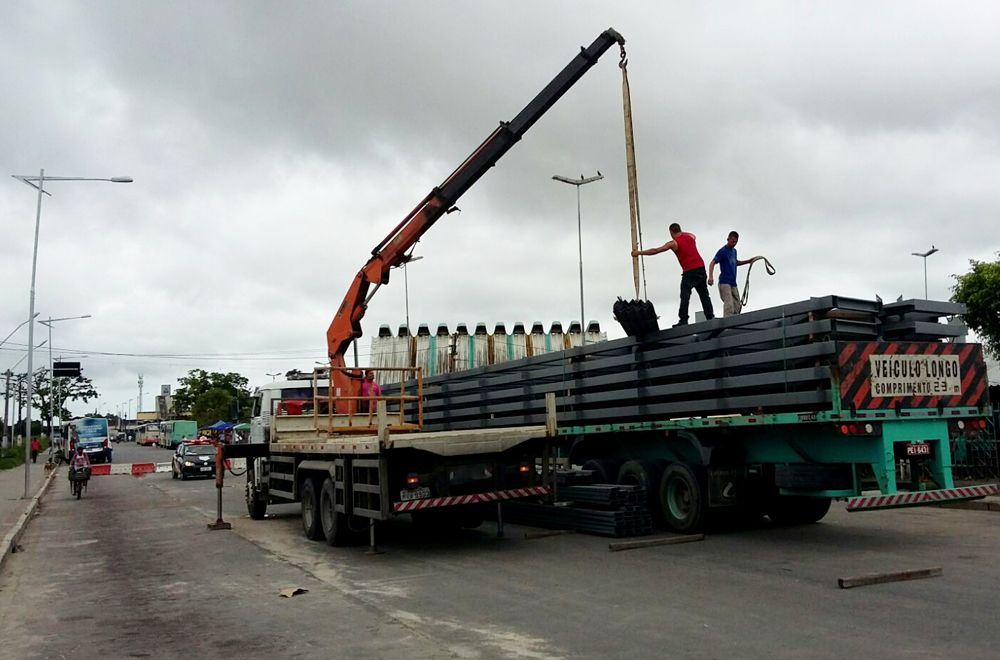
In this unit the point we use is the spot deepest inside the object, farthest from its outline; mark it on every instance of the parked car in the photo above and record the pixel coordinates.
(193, 459)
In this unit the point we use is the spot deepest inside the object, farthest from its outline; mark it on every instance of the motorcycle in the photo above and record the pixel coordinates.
(78, 480)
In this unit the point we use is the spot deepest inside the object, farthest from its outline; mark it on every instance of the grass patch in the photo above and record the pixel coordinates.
(12, 457)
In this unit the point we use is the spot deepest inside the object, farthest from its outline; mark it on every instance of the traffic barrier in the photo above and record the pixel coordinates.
(140, 469)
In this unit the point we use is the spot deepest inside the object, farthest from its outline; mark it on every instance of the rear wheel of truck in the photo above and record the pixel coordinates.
(256, 507)
(334, 523)
(310, 509)
(647, 474)
(682, 498)
(797, 510)
(605, 470)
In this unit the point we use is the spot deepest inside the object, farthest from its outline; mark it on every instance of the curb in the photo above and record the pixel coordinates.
(13, 535)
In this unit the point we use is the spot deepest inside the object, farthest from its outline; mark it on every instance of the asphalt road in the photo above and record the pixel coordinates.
(131, 571)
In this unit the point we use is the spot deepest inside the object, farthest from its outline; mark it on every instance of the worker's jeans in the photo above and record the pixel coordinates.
(731, 304)
(695, 279)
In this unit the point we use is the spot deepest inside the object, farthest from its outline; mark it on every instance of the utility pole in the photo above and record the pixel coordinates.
(6, 407)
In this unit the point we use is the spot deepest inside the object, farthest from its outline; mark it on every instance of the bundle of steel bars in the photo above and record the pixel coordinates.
(606, 496)
(772, 360)
(625, 521)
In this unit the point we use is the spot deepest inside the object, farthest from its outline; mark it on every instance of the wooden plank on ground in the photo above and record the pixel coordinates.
(650, 543)
(882, 578)
(547, 533)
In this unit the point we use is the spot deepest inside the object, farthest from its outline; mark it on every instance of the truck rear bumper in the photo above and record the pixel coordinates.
(874, 502)
(476, 498)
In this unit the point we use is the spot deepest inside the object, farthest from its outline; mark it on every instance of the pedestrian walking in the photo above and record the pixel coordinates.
(693, 274)
(727, 261)
(35, 448)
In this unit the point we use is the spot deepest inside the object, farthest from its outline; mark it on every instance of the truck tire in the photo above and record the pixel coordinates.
(334, 523)
(647, 474)
(682, 498)
(256, 507)
(605, 470)
(797, 509)
(310, 509)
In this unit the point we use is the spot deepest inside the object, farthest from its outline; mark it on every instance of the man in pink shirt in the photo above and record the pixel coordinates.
(369, 388)
(693, 267)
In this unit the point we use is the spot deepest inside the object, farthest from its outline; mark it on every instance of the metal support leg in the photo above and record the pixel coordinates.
(220, 477)
(219, 522)
(499, 521)
(372, 548)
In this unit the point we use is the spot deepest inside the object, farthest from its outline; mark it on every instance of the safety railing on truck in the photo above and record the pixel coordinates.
(360, 416)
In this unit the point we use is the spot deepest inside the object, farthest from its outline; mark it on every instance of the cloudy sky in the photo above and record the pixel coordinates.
(274, 144)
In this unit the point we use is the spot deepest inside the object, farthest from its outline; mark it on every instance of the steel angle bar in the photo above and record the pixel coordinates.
(921, 330)
(792, 400)
(936, 308)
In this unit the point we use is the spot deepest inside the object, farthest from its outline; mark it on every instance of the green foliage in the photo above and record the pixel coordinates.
(208, 396)
(64, 389)
(979, 291)
(12, 457)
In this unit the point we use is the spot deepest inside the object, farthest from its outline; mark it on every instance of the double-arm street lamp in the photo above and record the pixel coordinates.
(38, 182)
(579, 234)
(52, 380)
(925, 255)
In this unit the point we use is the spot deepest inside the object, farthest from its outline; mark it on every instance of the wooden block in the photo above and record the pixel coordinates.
(881, 578)
(551, 532)
(650, 543)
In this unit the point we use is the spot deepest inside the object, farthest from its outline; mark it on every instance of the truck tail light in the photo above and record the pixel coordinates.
(524, 468)
(860, 428)
(412, 480)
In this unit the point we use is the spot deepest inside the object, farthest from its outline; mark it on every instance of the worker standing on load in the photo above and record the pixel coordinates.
(728, 291)
(693, 267)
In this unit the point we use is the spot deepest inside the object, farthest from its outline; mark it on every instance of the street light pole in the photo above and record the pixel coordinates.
(52, 379)
(925, 255)
(30, 180)
(579, 235)
(273, 376)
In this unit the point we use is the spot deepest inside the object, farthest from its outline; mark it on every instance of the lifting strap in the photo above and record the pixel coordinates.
(746, 286)
(633, 186)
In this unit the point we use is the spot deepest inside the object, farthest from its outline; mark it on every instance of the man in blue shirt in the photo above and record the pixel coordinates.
(726, 258)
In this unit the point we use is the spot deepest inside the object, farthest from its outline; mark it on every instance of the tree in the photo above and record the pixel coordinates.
(209, 397)
(77, 388)
(979, 291)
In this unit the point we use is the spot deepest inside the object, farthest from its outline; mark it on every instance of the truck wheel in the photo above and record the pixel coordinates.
(256, 507)
(797, 509)
(605, 469)
(682, 499)
(333, 522)
(310, 509)
(647, 474)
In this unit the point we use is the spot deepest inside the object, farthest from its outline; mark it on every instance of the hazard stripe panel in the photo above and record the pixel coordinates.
(497, 495)
(872, 502)
(853, 367)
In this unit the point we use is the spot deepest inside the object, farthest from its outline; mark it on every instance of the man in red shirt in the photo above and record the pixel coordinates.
(693, 267)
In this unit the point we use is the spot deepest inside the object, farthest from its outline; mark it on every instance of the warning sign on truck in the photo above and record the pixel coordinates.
(915, 375)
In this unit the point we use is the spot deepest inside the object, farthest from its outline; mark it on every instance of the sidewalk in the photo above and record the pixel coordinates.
(11, 490)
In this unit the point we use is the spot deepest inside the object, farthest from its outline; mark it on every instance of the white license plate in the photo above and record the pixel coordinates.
(922, 449)
(206, 469)
(415, 494)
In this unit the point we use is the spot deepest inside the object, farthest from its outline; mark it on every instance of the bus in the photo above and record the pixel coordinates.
(90, 433)
(148, 434)
(174, 431)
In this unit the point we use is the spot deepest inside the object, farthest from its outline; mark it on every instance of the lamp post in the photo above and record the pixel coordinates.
(38, 182)
(273, 376)
(406, 294)
(579, 233)
(52, 380)
(925, 255)
(15, 330)
(9, 373)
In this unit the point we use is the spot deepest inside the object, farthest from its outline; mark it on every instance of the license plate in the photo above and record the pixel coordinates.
(922, 449)
(415, 494)
(206, 469)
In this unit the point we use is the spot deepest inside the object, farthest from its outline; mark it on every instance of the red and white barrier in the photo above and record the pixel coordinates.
(871, 502)
(432, 502)
(140, 469)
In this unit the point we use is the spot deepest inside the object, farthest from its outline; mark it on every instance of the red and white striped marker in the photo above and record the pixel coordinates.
(870, 502)
(432, 502)
(140, 469)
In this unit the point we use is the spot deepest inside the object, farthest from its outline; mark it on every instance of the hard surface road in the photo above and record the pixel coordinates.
(132, 571)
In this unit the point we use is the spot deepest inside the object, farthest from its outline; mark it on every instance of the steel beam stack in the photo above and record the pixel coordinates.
(772, 360)
(633, 520)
